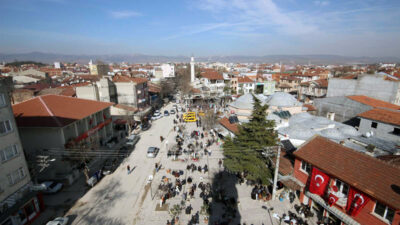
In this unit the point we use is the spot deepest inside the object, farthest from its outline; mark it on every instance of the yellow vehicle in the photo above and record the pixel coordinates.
(189, 117)
(201, 113)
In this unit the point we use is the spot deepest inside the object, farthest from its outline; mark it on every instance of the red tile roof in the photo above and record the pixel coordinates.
(285, 163)
(212, 75)
(373, 102)
(368, 174)
(244, 79)
(55, 110)
(232, 127)
(382, 115)
(310, 107)
(154, 88)
(121, 79)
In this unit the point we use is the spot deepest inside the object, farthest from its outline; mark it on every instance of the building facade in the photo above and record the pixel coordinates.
(18, 205)
(338, 183)
(62, 124)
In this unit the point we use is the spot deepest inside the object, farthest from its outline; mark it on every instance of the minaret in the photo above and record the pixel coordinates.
(192, 69)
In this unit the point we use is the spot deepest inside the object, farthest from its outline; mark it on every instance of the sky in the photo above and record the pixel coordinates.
(201, 27)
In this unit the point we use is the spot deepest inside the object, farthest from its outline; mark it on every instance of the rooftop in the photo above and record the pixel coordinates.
(55, 110)
(373, 102)
(370, 175)
(382, 115)
(232, 127)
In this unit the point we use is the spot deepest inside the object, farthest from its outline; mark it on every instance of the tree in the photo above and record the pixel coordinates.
(183, 80)
(209, 119)
(243, 153)
(167, 87)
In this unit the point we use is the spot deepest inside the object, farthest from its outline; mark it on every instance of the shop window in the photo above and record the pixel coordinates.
(384, 212)
(305, 167)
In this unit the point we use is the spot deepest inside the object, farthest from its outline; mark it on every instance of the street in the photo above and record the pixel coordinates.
(124, 199)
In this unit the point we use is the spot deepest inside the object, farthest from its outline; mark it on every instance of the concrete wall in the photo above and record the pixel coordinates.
(370, 85)
(344, 108)
(37, 138)
(88, 92)
(107, 90)
(6, 140)
(126, 93)
(383, 130)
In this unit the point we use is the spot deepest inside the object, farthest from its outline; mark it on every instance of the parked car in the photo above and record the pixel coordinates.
(156, 115)
(146, 126)
(51, 187)
(58, 221)
(175, 106)
(152, 152)
(132, 139)
(166, 113)
(179, 108)
(172, 111)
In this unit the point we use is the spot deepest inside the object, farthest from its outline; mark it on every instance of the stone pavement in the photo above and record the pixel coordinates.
(120, 198)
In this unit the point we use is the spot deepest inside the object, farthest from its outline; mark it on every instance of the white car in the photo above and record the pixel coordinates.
(132, 140)
(156, 115)
(58, 221)
(51, 187)
(179, 109)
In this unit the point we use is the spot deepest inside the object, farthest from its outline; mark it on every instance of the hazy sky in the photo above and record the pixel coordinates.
(201, 27)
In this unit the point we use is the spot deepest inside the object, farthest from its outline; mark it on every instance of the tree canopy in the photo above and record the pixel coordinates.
(243, 153)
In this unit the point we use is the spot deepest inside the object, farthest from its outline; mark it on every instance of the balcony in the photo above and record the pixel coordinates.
(342, 198)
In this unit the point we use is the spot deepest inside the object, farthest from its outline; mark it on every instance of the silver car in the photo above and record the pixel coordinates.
(152, 152)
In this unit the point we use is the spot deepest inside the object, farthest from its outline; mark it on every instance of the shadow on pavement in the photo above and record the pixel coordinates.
(224, 208)
(110, 193)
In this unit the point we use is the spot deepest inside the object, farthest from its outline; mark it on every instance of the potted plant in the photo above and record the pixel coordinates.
(205, 211)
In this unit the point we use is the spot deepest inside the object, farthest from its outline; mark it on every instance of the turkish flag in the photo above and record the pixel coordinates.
(332, 199)
(356, 200)
(319, 182)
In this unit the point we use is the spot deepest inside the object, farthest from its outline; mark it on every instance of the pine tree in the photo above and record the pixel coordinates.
(243, 152)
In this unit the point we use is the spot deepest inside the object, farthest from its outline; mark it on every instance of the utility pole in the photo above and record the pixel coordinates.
(276, 173)
(270, 151)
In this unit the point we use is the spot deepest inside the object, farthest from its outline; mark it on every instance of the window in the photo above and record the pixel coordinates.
(16, 176)
(305, 167)
(342, 187)
(374, 125)
(8, 153)
(2, 100)
(396, 131)
(5, 127)
(384, 212)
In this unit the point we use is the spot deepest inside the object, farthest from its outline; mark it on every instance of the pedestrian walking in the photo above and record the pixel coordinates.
(220, 163)
(128, 168)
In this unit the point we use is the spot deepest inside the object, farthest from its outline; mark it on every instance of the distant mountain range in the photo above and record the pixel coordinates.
(140, 58)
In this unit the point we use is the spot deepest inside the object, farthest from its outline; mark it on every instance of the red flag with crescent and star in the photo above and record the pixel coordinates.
(332, 199)
(318, 183)
(356, 200)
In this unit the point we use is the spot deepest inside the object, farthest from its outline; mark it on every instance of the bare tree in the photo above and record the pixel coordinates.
(183, 80)
(209, 119)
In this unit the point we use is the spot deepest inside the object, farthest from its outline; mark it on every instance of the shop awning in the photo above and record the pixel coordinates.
(332, 209)
(291, 183)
